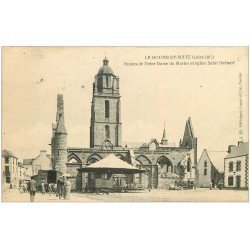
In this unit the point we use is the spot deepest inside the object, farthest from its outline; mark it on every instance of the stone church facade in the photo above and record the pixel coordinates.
(164, 163)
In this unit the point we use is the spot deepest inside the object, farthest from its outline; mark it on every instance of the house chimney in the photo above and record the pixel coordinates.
(230, 148)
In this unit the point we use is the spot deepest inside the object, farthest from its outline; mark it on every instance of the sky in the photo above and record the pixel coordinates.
(150, 94)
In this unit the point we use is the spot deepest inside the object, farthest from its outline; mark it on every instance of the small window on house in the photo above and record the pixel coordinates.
(205, 171)
(106, 109)
(230, 181)
(7, 160)
(238, 166)
(20, 173)
(231, 166)
(205, 167)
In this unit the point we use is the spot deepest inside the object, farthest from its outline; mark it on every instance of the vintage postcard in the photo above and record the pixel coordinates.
(88, 124)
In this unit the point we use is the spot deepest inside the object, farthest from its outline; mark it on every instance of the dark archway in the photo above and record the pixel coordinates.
(166, 165)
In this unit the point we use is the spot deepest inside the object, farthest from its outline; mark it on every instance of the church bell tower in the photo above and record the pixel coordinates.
(105, 123)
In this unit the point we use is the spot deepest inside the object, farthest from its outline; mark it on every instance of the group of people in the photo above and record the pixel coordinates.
(61, 189)
(23, 187)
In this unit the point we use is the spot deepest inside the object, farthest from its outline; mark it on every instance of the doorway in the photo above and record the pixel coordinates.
(238, 181)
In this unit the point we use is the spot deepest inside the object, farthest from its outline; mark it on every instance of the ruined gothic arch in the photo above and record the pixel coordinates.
(73, 158)
(93, 158)
(153, 145)
(143, 160)
(165, 164)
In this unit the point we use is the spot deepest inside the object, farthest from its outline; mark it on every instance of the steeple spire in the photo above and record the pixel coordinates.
(164, 140)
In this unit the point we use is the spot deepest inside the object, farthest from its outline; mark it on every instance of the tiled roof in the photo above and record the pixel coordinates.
(217, 159)
(240, 150)
(111, 162)
(7, 153)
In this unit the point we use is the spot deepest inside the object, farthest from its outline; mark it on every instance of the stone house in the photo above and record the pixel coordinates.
(9, 168)
(210, 168)
(236, 166)
(41, 162)
(28, 167)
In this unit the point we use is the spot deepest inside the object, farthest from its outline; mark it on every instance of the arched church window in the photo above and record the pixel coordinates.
(99, 84)
(107, 81)
(106, 109)
(114, 84)
(107, 132)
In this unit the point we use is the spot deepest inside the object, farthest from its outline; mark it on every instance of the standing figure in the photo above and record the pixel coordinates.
(25, 186)
(60, 185)
(32, 189)
(67, 189)
(46, 187)
(55, 189)
(51, 189)
(21, 187)
(43, 187)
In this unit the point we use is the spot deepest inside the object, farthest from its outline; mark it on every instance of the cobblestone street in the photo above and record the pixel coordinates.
(13, 195)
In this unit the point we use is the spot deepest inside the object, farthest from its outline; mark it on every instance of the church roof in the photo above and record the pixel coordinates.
(105, 69)
(8, 153)
(189, 127)
(240, 150)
